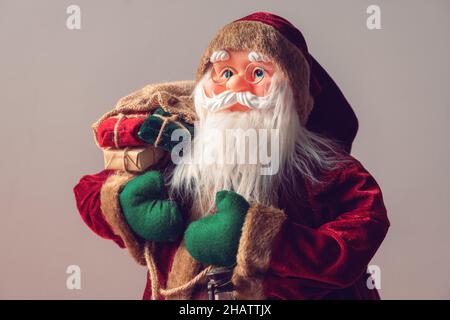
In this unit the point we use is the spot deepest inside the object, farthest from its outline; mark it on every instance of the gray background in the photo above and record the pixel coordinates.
(55, 82)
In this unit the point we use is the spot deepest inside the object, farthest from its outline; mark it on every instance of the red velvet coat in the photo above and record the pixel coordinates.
(319, 248)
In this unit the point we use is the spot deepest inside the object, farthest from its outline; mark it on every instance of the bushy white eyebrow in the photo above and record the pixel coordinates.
(257, 57)
(220, 55)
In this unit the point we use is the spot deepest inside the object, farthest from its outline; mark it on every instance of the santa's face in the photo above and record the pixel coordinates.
(235, 74)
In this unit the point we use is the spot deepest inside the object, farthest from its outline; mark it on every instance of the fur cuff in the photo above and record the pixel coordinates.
(109, 202)
(260, 229)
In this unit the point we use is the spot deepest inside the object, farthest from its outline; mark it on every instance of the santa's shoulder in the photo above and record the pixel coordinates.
(347, 172)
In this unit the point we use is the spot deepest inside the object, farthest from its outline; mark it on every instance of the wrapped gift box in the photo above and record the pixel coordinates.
(132, 159)
(121, 131)
(157, 129)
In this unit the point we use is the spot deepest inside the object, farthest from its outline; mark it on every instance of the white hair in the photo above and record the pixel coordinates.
(221, 55)
(302, 153)
(257, 57)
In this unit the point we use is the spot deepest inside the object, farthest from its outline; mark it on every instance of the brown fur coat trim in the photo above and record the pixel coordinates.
(261, 226)
(110, 206)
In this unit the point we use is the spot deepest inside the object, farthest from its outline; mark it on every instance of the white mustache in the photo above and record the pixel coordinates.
(228, 98)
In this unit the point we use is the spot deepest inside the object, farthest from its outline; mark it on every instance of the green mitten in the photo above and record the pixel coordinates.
(215, 239)
(145, 210)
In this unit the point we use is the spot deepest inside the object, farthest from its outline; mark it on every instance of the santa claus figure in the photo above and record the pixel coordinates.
(268, 191)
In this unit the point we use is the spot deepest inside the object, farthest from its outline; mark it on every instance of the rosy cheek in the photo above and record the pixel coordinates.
(258, 91)
(210, 87)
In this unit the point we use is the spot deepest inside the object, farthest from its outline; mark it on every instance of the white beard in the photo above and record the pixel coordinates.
(298, 152)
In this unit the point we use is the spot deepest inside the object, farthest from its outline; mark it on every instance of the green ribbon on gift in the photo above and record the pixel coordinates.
(157, 129)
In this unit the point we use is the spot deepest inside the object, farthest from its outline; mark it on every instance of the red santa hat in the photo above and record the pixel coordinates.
(321, 105)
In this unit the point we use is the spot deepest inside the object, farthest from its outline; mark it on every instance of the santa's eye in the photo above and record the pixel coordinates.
(258, 73)
(222, 75)
(227, 73)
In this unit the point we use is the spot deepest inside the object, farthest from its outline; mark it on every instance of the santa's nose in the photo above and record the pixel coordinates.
(237, 84)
